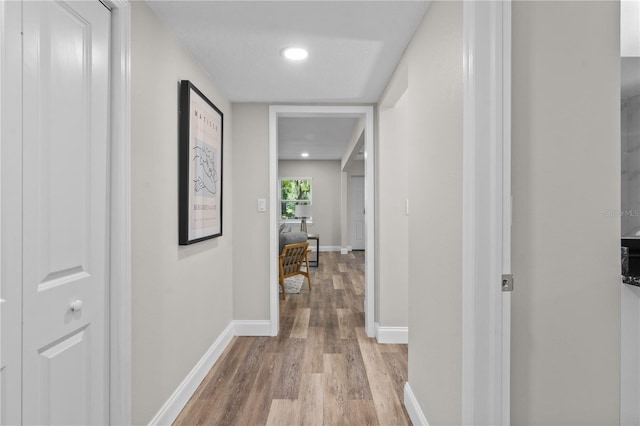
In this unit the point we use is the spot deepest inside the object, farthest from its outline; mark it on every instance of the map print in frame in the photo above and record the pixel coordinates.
(200, 169)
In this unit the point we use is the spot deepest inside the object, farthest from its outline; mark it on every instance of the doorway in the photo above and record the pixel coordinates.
(365, 113)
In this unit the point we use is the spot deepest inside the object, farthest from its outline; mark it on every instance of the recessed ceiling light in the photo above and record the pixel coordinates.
(295, 53)
(304, 155)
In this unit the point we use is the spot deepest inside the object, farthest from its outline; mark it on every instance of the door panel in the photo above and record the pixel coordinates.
(65, 148)
(71, 354)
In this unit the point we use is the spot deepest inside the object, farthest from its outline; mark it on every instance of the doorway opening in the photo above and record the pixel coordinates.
(365, 115)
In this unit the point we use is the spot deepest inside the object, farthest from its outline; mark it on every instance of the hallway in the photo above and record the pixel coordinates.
(320, 369)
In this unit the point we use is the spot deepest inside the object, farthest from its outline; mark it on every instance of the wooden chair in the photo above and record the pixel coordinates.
(290, 263)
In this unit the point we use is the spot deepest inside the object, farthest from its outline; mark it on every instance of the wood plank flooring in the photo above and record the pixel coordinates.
(321, 369)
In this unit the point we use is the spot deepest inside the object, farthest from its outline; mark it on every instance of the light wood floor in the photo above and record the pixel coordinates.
(321, 369)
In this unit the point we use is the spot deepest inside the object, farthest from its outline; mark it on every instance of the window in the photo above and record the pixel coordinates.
(293, 191)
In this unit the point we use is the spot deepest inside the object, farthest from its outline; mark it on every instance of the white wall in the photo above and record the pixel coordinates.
(325, 195)
(431, 110)
(181, 296)
(566, 249)
(250, 228)
(435, 220)
(393, 223)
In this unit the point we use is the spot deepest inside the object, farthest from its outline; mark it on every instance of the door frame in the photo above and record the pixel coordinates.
(366, 112)
(486, 309)
(120, 324)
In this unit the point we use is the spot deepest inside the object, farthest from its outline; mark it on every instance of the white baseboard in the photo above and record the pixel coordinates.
(395, 335)
(344, 250)
(252, 328)
(413, 407)
(329, 248)
(176, 402)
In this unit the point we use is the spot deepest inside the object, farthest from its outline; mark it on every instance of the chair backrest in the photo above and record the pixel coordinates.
(291, 238)
(292, 257)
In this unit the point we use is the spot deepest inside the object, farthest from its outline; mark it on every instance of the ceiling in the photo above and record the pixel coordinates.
(354, 47)
(321, 137)
(630, 28)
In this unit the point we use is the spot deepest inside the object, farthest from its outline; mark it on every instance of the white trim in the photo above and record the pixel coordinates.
(370, 224)
(120, 218)
(326, 248)
(506, 209)
(252, 327)
(392, 335)
(413, 407)
(367, 112)
(485, 161)
(11, 211)
(274, 295)
(344, 250)
(179, 398)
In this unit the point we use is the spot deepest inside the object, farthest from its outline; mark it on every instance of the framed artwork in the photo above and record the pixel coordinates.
(200, 166)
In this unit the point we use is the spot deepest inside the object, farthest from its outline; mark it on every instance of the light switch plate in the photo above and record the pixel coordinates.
(262, 205)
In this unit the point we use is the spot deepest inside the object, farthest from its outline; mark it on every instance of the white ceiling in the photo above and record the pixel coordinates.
(354, 46)
(630, 28)
(323, 138)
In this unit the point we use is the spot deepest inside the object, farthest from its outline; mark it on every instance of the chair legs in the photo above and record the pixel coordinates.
(293, 256)
(284, 293)
(306, 259)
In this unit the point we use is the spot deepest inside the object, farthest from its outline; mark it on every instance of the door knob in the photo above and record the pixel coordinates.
(76, 306)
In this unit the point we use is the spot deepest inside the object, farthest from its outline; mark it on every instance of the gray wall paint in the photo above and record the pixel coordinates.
(251, 181)
(433, 119)
(566, 249)
(181, 296)
(393, 223)
(250, 228)
(435, 194)
(356, 169)
(326, 193)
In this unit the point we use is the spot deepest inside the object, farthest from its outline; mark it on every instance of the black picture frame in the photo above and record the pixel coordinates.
(200, 155)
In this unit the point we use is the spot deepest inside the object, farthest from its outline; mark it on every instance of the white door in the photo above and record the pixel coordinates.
(356, 196)
(64, 204)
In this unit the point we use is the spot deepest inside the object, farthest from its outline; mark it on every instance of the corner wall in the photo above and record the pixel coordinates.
(435, 220)
(566, 249)
(251, 229)
(431, 112)
(181, 295)
(393, 222)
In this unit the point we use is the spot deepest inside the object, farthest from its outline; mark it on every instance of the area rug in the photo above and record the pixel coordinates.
(293, 284)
